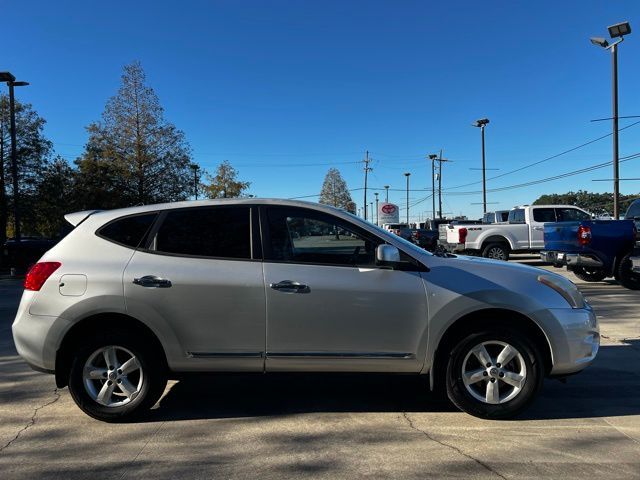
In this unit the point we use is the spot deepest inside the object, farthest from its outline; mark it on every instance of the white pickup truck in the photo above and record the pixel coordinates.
(523, 233)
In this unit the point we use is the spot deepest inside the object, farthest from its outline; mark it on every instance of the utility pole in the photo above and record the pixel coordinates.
(367, 169)
(407, 174)
(376, 194)
(481, 124)
(616, 156)
(11, 83)
(440, 160)
(433, 157)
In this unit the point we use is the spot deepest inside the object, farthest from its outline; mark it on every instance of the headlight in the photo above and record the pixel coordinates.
(564, 287)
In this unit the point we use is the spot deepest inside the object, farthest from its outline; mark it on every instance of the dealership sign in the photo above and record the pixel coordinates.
(388, 213)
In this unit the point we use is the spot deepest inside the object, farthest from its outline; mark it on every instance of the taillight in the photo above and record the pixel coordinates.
(584, 235)
(462, 235)
(39, 274)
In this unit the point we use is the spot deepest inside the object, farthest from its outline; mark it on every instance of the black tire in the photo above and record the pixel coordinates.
(151, 378)
(625, 275)
(496, 251)
(529, 358)
(590, 274)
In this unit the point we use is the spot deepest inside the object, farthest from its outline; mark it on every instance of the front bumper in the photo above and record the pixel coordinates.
(560, 259)
(574, 338)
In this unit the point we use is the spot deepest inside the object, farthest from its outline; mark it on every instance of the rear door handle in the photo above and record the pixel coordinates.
(290, 286)
(152, 281)
(538, 228)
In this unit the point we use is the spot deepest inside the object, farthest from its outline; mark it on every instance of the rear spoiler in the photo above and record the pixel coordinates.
(76, 218)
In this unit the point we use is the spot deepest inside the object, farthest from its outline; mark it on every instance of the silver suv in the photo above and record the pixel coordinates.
(133, 297)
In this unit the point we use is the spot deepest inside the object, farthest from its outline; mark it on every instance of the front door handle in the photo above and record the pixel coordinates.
(152, 281)
(290, 286)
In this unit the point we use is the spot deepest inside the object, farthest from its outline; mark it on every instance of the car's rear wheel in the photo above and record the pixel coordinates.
(115, 377)
(496, 251)
(625, 275)
(590, 274)
(494, 374)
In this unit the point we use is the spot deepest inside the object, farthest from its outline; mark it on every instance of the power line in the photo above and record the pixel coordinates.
(548, 158)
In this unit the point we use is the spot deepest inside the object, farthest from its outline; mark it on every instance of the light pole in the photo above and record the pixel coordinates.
(407, 174)
(371, 208)
(483, 122)
(376, 194)
(433, 157)
(386, 198)
(195, 169)
(618, 30)
(11, 82)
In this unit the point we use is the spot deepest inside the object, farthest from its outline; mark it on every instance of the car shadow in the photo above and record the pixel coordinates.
(608, 388)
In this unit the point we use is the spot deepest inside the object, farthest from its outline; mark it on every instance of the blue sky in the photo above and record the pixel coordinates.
(286, 89)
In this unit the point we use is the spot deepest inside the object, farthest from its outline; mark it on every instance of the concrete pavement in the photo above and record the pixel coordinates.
(332, 426)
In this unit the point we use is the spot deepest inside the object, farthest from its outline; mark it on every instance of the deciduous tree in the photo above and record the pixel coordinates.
(225, 183)
(139, 156)
(335, 191)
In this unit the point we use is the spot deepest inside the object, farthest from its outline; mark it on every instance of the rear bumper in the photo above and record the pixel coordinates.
(451, 247)
(560, 259)
(635, 264)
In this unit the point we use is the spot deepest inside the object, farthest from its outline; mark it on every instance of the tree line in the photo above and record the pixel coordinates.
(596, 203)
(133, 156)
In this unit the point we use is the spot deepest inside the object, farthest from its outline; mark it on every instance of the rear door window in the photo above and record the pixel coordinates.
(220, 232)
(129, 231)
(571, 215)
(516, 216)
(544, 215)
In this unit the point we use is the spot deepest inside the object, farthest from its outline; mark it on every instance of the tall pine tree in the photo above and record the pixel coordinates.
(335, 191)
(134, 156)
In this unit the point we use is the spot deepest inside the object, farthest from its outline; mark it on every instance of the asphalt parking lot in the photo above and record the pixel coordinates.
(332, 426)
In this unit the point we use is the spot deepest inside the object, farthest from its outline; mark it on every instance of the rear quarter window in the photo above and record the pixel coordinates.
(128, 231)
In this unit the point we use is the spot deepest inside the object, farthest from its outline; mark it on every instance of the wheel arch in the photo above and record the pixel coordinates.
(94, 324)
(474, 321)
(496, 239)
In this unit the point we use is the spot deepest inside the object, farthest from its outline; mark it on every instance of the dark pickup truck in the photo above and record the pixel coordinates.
(596, 249)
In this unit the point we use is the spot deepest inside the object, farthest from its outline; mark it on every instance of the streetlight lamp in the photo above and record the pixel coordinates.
(386, 198)
(483, 122)
(618, 30)
(11, 82)
(376, 194)
(433, 157)
(195, 169)
(407, 174)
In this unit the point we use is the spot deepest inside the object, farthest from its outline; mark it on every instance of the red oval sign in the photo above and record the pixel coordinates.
(388, 209)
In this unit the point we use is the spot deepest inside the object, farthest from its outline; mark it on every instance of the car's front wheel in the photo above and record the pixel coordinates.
(494, 374)
(115, 377)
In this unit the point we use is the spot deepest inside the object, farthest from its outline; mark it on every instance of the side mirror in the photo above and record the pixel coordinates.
(387, 254)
